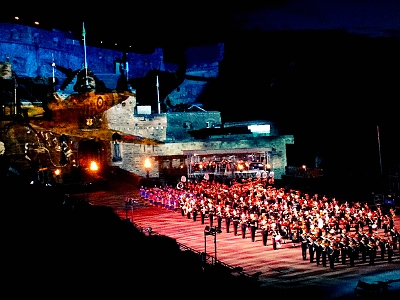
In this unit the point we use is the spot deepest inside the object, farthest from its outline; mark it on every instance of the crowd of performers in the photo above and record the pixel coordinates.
(328, 231)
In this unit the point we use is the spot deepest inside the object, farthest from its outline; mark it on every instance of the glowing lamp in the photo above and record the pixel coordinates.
(93, 166)
(147, 166)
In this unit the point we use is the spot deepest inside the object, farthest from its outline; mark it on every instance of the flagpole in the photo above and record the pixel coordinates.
(158, 96)
(53, 66)
(84, 47)
(379, 148)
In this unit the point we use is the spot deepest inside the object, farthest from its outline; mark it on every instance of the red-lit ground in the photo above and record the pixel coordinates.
(283, 269)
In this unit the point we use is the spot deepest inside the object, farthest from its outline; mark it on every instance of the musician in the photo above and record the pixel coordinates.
(274, 234)
(243, 225)
(194, 212)
(324, 253)
(372, 249)
(331, 256)
(318, 251)
(311, 248)
(363, 249)
(253, 226)
(264, 231)
(203, 211)
(389, 250)
(211, 209)
(219, 217)
(343, 250)
(351, 253)
(188, 210)
(236, 222)
(304, 245)
(382, 248)
(227, 216)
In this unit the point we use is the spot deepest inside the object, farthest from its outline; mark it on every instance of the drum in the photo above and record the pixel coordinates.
(374, 226)
(283, 233)
(278, 237)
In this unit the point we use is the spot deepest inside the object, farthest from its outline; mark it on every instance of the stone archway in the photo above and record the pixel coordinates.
(89, 151)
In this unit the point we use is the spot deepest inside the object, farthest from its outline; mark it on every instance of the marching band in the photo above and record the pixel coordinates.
(326, 229)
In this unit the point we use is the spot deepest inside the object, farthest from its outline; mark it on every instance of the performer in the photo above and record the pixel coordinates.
(264, 231)
(324, 253)
(351, 252)
(253, 227)
(202, 213)
(274, 240)
(318, 251)
(331, 256)
(311, 249)
(304, 245)
(382, 247)
(227, 219)
(235, 221)
(243, 225)
(363, 249)
(219, 217)
(211, 214)
(194, 212)
(371, 248)
(343, 250)
(389, 250)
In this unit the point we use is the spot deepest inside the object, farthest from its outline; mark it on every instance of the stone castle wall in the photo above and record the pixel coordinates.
(32, 50)
(134, 155)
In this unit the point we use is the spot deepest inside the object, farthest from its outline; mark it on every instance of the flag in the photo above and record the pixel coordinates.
(83, 30)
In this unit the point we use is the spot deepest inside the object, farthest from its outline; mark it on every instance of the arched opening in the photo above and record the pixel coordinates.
(90, 154)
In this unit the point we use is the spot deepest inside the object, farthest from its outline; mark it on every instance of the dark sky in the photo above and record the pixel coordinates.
(327, 72)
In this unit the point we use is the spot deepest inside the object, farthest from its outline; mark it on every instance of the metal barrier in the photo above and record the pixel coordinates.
(207, 258)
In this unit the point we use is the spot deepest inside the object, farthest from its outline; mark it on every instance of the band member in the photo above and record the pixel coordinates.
(324, 253)
(235, 221)
(343, 251)
(382, 247)
(211, 214)
(253, 227)
(371, 248)
(363, 249)
(311, 249)
(188, 210)
(389, 250)
(351, 253)
(274, 240)
(219, 217)
(194, 213)
(243, 225)
(304, 245)
(227, 219)
(264, 231)
(318, 251)
(331, 256)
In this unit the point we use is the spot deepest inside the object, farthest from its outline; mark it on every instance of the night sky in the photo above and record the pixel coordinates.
(327, 72)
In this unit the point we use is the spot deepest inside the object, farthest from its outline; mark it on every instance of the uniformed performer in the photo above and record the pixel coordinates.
(311, 248)
(318, 251)
(253, 226)
(324, 252)
(372, 249)
(243, 225)
(235, 221)
(264, 231)
(331, 256)
(219, 217)
(351, 253)
(227, 219)
(304, 245)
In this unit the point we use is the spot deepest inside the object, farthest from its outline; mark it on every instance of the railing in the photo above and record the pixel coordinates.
(208, 259)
